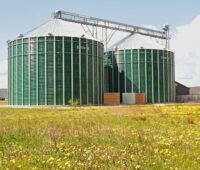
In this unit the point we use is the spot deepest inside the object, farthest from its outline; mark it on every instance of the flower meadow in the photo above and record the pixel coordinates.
(121, 137)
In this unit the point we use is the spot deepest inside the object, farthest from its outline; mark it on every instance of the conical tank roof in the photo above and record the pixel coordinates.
(58, 27)
(137, 41)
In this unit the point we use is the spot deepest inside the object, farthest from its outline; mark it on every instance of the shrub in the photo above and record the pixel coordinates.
(74, 102)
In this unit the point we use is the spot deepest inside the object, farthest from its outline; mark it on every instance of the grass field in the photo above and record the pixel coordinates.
(3, 102)
(125, 137)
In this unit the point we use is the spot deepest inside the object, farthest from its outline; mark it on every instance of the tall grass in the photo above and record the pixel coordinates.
(129, 137)
(3, 102)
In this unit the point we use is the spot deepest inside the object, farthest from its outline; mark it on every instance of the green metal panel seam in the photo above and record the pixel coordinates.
(63, 70)
(152, 76)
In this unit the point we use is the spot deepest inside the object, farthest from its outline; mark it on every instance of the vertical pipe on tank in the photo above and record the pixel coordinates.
(8, 50)
(22, 72)
(131, 70)
(45, 70)
(98, 71)
(174, 92)
(146, 89)
(87, 69)
(29, 63)
(168, 81)
(12, 73)
(9, 73)
(102, 72)
(80, 88)
(139, 70)
(100, 88)
(72, 73)
(174, 79)
(16, 72)
(125, 72)
(112, 72)
(93, 70)
(37, 95)
(118, 65)
(163, 59)
(9, 92)
(152, 76)
(171, 67)
(170, 76)
(63, 58)
(125, 83)
(54, 69)
(12, 68)
(158, 62)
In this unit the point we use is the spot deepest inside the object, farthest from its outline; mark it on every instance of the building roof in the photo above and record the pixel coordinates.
(137, 41)
(181, 89)
(57, 27)
(177, 83)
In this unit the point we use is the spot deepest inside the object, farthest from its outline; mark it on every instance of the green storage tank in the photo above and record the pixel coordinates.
(138, 64)
(55, 64)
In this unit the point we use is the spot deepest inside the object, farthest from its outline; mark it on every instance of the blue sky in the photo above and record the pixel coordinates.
(20, 16)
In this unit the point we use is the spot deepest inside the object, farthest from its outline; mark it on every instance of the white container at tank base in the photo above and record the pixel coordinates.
(128, 98)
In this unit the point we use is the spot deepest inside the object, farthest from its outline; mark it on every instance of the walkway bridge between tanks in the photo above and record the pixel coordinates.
(111, 25)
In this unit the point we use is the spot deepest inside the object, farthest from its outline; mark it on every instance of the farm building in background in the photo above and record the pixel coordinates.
(186, 94)
(3, 94)
(195, 90)
(181, 89)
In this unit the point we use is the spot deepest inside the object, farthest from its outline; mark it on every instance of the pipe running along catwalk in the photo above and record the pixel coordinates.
(112, 25)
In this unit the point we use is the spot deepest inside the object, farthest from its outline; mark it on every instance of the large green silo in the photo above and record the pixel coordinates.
(55, 69)
(132, 68)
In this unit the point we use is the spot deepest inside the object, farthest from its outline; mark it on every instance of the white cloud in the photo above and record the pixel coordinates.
(186, 44)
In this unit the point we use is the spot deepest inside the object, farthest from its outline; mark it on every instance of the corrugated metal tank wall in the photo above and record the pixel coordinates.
(148, 71)
(53, 70)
